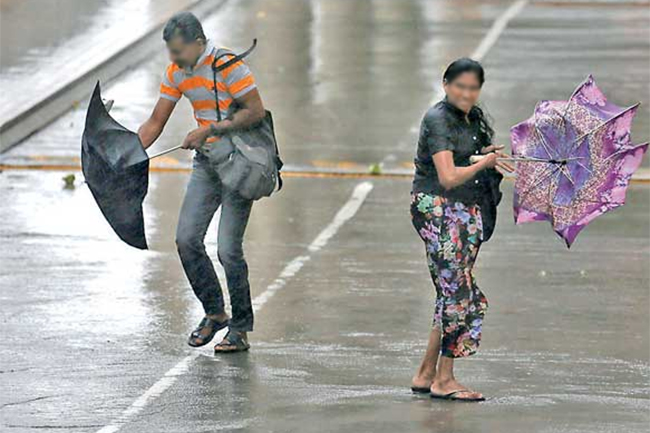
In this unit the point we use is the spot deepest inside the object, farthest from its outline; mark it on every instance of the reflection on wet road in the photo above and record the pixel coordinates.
(339, 341)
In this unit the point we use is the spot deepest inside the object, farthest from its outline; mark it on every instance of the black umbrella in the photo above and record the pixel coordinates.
(116, 168)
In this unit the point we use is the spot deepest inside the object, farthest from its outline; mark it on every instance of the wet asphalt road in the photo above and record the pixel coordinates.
(89, 325)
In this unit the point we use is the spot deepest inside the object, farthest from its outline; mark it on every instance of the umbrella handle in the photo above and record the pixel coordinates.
(165, 152)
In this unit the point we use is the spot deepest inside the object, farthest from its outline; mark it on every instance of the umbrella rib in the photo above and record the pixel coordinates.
(581, 165)
(575, 92)
(564, 170)
(636, 146)
(599, 202)
(550, 199)
(543, 140)
(540, 180)
(606, 122)
(537, 130)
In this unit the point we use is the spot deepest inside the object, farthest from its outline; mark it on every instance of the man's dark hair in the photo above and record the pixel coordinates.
(185, 25)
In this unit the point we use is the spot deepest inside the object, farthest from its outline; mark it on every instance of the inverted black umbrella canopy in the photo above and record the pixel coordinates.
(116, 168)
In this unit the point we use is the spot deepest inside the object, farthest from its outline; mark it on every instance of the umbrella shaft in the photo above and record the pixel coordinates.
(549, 161)
(165, 152)
(522, 159)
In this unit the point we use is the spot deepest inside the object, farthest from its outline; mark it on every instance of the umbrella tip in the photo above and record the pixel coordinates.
(108, 104)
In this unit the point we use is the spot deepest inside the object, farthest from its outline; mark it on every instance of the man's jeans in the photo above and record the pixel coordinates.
(204, 195)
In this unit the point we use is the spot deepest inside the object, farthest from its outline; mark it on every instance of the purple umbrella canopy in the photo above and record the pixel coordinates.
(574, 159)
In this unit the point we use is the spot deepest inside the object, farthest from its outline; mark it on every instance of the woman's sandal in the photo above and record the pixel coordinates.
(453, 396)
(421, 389)
(232, 342)
(197, 339)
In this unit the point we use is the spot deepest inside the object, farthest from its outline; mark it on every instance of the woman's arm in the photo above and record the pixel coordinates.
(451, 176)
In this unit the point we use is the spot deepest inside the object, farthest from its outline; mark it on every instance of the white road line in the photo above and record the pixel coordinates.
(343, 215)
(479, 53)
(491, 37)
(346, 212)
(497, 28)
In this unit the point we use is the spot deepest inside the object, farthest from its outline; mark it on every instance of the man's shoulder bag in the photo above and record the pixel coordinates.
(250, 162)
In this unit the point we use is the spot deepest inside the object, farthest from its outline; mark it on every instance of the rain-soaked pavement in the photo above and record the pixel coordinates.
(46, 43)
(93, 332)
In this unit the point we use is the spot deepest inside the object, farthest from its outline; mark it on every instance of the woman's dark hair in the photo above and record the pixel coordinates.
(461, 66)
(185, 25)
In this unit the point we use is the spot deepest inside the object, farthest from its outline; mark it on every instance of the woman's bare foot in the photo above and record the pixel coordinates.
(422, 381)
(425, 374)
(444, 387)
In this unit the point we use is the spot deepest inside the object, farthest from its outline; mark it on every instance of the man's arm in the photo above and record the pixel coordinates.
(154, 125)
(250, 113)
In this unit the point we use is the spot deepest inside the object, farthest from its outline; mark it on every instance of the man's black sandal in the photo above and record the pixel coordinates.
(232, 342)
(197, 339)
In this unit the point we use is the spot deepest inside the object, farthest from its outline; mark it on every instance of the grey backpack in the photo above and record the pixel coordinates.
(247, 160)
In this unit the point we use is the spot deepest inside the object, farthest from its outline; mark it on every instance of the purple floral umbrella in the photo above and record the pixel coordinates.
(574, 159)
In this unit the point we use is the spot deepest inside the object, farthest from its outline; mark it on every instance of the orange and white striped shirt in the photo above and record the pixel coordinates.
(196, 84)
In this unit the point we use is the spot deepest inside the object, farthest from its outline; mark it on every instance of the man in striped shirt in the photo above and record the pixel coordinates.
(240, 105)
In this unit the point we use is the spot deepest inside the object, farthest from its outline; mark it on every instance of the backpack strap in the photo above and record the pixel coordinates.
(278, 161)
(222, 52)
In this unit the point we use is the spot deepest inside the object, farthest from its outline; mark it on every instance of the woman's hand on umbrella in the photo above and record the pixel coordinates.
(494, 160)
(492, 148)
(196, 138)
(502, 163)
(489, 160)
(499, 162)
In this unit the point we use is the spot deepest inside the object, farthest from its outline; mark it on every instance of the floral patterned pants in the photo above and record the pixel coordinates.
(452, 233)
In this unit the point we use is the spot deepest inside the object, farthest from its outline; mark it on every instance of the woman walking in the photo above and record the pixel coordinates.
(452, 193)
